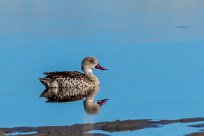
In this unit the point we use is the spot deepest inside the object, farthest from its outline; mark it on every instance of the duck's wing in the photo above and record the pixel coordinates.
(71, 74)
(61, 77)
(67, 74)
(59, 72)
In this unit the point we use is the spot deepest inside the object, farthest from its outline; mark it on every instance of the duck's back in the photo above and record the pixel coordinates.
(66, 79)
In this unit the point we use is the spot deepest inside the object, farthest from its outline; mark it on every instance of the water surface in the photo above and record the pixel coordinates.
(153, 50)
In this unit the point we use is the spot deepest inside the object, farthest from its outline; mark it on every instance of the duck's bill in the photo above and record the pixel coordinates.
(100, 67)
(101, 102)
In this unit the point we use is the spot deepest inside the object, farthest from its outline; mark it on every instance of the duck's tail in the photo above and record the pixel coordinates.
(45, 81)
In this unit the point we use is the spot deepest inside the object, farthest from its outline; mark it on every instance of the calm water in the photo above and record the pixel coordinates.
(154, 51)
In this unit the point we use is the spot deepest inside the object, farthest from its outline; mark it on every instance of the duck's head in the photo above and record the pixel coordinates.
(89, 63)
(93, 107)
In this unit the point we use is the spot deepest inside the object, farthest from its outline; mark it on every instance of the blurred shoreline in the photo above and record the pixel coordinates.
(84, 129)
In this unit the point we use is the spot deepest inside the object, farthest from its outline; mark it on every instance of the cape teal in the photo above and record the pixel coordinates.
(70, 79)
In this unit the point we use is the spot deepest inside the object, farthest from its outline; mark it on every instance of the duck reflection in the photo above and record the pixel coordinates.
(91, 106)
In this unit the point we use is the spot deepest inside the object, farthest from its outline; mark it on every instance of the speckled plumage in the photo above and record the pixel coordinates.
(68, 79)
(69, 94)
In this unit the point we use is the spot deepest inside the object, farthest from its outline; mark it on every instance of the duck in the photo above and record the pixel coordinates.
(70, 79)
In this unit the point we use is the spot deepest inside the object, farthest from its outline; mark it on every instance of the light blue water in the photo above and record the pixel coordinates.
(153, 49)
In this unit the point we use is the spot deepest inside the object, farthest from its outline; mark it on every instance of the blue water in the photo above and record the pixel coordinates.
(154, 51)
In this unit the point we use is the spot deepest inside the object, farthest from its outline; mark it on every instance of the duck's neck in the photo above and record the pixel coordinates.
(88, 71)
